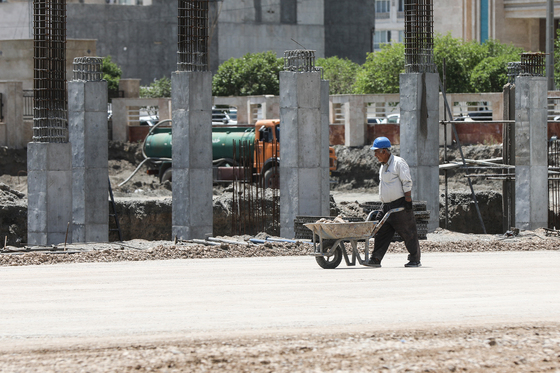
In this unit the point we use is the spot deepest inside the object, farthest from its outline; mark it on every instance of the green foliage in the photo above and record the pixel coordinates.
(340, 72)
(112, 74)
(253, 74)
(490, 75)
(557, 59)
(159, 88)
(380, 73)
(462, 60)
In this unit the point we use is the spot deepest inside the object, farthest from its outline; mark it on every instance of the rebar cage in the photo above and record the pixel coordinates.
(88, 69)
(419, 36)
(50, 122)
(300, 61)
(532, 64)
(192, 48)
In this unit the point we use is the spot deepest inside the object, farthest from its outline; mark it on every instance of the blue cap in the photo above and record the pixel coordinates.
(381, 143)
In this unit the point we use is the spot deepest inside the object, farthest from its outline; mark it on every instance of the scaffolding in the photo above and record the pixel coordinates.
(50, 123)
(192, 32)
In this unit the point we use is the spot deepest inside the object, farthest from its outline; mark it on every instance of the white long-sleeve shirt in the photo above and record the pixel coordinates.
(394, 179)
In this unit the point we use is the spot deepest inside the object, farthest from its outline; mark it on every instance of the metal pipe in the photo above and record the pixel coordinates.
(550, 44)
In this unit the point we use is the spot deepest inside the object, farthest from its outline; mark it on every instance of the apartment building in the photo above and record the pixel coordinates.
(521, 22)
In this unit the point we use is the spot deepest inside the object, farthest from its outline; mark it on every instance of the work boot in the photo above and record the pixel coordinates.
(413, 264)
(374, 262)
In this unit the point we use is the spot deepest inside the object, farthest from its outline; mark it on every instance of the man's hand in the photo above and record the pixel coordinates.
(408, 205)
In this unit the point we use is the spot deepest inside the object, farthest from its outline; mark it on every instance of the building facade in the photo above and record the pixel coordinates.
(141, 35)
(509, 21)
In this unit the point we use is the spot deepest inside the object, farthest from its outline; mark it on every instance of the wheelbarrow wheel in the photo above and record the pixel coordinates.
(329, 262)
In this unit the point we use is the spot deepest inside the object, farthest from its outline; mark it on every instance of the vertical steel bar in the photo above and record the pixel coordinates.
(192, 32)
(49, 78)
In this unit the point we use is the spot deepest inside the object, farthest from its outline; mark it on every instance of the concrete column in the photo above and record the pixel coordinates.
(49, 193)
(120, 118)
(192, 154)
(531, 167)
(87, 128)
(419, 124)
(130, 87)
(11, 123)
(304, 135)
(354, 121)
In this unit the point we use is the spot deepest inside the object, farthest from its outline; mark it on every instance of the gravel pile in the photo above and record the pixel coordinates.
(140, 250)
(534, 348)
(11, 197)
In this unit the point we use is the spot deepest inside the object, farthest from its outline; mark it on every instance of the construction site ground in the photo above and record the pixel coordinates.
(479, 303)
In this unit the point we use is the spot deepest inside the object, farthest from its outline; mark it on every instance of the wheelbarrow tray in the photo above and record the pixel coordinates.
(337, 231)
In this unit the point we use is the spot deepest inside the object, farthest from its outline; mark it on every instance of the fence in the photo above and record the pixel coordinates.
(554, 183)
(28, 104)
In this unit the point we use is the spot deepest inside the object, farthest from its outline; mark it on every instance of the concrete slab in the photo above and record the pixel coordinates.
(217, 296)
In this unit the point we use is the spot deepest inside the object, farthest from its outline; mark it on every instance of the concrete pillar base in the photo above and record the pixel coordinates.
(531, 162)
(304, 166)
(87, 129)
(192, 154)
(419, 131)
(49, 191)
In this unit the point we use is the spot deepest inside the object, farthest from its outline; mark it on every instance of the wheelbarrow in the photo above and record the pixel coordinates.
(329, 239)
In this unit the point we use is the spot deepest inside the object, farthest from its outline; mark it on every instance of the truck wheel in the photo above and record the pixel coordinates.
(271, 178)
(329, 262)
(167, 175)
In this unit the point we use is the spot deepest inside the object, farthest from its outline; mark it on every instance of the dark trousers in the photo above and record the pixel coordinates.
(404, 224)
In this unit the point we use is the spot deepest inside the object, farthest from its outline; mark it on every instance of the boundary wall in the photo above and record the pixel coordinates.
(355, 120)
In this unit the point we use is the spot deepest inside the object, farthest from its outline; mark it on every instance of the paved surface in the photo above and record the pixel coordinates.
(214, 296)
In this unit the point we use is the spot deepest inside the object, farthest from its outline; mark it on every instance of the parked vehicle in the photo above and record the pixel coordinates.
(374, 120)
(392, 119)
(260, 159)
(220, 117)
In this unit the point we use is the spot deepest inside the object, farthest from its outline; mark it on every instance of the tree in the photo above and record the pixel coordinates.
(557, 59)
(112, 74)
(159, 88)
(380, 72)
(253, 74)
(340, 72)
(490, 75)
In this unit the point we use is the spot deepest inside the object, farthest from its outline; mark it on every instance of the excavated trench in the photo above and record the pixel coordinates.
(144, 205)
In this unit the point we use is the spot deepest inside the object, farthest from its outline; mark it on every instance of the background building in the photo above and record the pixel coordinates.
(141, 35)
(509, 21)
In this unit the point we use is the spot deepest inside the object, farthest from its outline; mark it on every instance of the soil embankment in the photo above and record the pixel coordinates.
(144, 204)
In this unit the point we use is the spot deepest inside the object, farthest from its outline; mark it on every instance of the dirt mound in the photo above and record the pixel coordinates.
(358, 167)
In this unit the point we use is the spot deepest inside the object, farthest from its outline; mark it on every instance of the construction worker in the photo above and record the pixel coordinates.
(395, 186)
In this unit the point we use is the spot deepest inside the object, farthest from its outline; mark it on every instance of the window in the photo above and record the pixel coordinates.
(380, 38)
(401, 36)
(382, 6)
(401, 6)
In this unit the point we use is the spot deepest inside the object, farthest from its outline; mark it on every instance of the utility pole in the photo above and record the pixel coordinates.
(550, 44)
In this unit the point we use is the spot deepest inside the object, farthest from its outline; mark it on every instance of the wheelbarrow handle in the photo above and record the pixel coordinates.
(385, 217)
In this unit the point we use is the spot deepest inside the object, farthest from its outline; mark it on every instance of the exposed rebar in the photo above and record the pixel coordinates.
(532, 64)
(513, 70)
(300, 61)
(192, 48)
(88, 69)
(50, 122)
(419, 36)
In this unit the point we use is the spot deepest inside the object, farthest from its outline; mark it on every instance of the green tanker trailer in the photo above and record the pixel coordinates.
(256, 152)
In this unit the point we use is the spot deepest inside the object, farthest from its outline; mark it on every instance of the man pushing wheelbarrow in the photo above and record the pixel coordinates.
(395, 188)
(395, 185)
